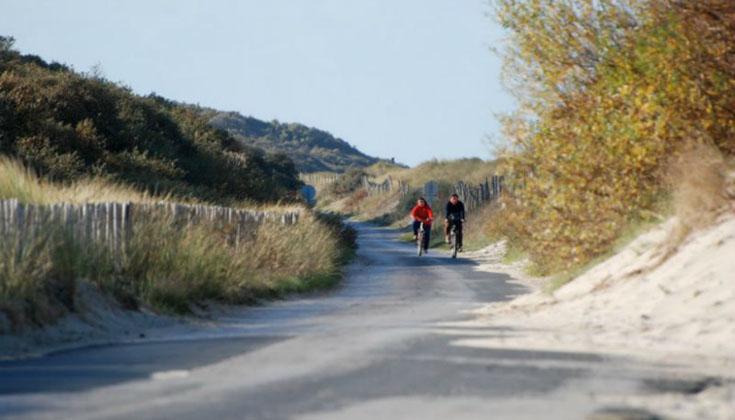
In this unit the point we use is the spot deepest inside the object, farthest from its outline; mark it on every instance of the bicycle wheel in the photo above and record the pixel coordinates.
(420, 241)
(453, 242)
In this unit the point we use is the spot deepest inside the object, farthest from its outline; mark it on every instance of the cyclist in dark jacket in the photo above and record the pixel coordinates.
(454, 216)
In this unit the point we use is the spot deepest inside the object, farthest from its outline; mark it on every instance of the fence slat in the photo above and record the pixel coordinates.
(112, 224)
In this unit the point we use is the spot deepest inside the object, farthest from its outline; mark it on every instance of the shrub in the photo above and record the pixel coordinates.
(609, 91)
(68, 126)
(348, 182)
(353, 202)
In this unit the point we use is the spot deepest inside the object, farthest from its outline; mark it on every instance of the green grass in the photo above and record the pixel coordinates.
(406, 237)
(437, 236)
(513, 254)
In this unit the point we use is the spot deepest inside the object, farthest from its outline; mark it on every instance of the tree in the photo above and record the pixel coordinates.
(6, 43)
(609, 91)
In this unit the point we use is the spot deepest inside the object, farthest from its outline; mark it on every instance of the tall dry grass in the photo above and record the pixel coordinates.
(163, 266)
(172, 268)
(33, 285)
(21, 183)
(471, 170)
(701, 182)
(475, 233)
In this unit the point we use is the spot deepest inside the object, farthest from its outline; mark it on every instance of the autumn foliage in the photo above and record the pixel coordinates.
(608, 91)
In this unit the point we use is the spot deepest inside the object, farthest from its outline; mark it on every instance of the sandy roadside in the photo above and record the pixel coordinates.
(677, 312)
(99, 321)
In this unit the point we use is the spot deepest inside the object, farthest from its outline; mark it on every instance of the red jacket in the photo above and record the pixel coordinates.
(422, 214)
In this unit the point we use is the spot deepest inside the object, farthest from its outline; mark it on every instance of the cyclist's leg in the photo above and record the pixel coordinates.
(416, 226)
(427, 235)
(447, 228)
(459, 233)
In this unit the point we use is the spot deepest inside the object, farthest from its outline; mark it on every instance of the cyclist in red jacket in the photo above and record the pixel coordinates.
(422, 213)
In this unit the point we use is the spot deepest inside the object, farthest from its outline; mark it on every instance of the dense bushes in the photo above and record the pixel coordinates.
(609, 92)
(312, 149)
(348, 182)
(67, 125)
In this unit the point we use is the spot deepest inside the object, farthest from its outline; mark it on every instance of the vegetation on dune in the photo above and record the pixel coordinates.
(347, 183)
(614, 95)
(68, 126)
(90, 140)
(18, 182)
(610, 91)
(469, 170)
(348, 196)
(384, 167)
(163, 266)
(312, 149)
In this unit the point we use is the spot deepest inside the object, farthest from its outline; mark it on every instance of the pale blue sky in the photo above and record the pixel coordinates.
(410, 79)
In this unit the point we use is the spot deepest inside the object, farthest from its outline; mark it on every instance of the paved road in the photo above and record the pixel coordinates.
(378, 347)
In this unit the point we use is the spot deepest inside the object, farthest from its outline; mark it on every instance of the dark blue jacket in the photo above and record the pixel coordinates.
(454, 211)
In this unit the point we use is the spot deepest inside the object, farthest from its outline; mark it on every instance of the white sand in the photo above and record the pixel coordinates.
(683, 307)
(678, 311)
(97, 320)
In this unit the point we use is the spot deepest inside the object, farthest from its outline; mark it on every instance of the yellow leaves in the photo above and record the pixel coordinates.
(638, 154)
(625, 90)
(595, 147)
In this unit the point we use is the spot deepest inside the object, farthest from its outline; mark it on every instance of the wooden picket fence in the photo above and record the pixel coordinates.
(314, 184)
(319, 178)
(473, 195)
(476, 195)
(387, 186)
(112, 224)
(319, 181)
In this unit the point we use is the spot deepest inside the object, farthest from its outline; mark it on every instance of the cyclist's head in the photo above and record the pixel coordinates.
(454, 198)
(421, 201)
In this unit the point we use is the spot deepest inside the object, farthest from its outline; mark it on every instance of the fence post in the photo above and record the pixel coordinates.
(111, 224)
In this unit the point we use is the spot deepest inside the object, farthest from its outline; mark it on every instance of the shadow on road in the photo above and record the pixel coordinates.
(82, 369)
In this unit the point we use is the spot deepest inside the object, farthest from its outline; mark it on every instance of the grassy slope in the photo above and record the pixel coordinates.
(68, 126)
(392, 209)
(470, 170)
(312, 150)
(164, 267)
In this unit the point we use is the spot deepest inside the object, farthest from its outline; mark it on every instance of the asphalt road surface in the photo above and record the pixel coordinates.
(380, 346)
